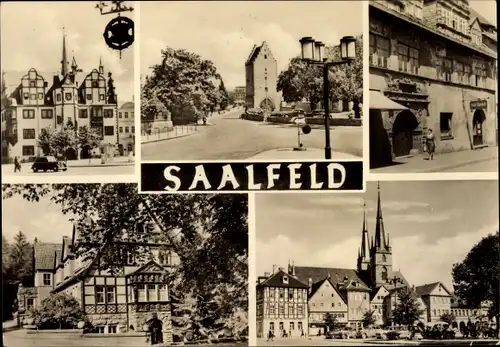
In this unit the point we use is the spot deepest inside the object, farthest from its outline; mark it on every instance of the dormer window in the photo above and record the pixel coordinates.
(285, 279)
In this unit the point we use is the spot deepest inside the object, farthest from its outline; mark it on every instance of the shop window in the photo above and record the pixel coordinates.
(445, 125)
(99, 329)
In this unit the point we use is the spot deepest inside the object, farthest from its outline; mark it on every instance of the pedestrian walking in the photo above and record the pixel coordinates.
(270, 335)
(155, 328)
(17, 165)
(430, 145)
(130, 156)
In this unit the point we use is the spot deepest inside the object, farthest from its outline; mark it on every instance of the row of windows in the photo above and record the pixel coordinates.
(125, 114)
(452, 20)
(152, 292)
(49, 114)
(292, 310)
(28, 134)
(282, 326)
(127, 129)
(32, 96)
(85, 114)
(322, 304)
(409, 61)
(463, 312)
(279, 293)
(322, 316)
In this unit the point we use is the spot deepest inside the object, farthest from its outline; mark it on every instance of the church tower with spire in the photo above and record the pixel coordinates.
(364, 251)
(380, 251)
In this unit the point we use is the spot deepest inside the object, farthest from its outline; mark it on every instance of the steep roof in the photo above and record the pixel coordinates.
(254, 54)
(45, 255)
(483, 21)
(317, 285)
(336, 275)
(427, 289)
(275, 281)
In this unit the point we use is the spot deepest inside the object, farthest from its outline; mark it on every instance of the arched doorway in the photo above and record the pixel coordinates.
(267, 104)
(85, 153)
(477, 127)
(71, 154)
(402, 137)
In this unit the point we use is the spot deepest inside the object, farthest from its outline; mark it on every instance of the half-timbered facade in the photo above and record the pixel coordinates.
(423, 56)
(71, 98)
(114, 300)
(281, 305)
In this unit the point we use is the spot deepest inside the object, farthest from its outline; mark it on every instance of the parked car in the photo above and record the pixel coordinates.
(368, 333)
(46, 163)
(346, 333)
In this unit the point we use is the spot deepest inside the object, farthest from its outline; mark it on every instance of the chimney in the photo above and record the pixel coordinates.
(267, 274)
(274, 268)
(36, 240)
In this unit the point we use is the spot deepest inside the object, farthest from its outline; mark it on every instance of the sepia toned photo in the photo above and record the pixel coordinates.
(405, 263)
(251, 80)
(101, 265)
(433, 86)
(67, 89)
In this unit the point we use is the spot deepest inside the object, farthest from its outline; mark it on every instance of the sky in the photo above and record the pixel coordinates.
(487, 8)
(31, 36)
(431, 226)
(225, 32)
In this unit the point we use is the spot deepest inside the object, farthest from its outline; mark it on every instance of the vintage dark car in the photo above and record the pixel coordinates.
(48, 163)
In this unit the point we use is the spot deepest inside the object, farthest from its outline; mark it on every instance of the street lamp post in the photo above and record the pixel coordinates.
(313, 53)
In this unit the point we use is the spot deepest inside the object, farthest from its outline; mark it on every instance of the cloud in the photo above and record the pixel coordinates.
(424, 218)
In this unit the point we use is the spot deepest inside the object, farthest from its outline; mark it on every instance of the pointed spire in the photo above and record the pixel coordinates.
(74, 65)
(364, 240)
(64, 61)
(380, 241)
(101, 68)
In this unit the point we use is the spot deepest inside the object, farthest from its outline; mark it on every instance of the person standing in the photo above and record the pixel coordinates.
(17, 165)
(430, 144)
(155, 328)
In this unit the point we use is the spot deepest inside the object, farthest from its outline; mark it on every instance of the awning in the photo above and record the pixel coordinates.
(379, 101)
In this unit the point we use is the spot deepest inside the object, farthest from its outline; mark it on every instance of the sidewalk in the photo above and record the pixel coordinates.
(95, 162)
(441, 162)
(308, 154)
(175, 132)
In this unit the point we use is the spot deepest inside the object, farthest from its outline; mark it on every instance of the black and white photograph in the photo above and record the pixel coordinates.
(251, 80)
(67, 89)
(433, 86)
(409, 262)
(101, 265)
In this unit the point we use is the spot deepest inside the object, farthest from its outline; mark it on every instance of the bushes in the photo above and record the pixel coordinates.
(255, 114)
(59, 311)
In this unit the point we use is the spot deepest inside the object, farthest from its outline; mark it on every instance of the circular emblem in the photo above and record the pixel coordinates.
(119, 33)
(306, 129)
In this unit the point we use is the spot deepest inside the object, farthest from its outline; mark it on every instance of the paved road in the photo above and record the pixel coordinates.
(231, 138)
(8, 171)
(313, 342)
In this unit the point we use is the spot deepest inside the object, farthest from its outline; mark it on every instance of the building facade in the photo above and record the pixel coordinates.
(348, 294)
(281, 305)
(114, 300)
(240, 95)
(261, 70)
(426, 56)
(126, 129)
(70, 99)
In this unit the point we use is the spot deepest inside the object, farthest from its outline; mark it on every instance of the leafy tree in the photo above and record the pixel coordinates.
(88, 137)
(211, 230)
(60, 311)
(368, 318)
(21, 260)
(224, 103)
(476, 278)
(46, 139)
(5, 255)
(64, 139)
(407, 310)
(301, 80)
(152, 107)
(330, 321)
(185, 83)
(448, 318)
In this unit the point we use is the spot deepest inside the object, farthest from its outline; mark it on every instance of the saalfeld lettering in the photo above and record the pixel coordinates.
(256, 176)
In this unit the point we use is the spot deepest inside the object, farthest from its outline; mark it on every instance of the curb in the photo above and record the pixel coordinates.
(454, 166)
(169, 138)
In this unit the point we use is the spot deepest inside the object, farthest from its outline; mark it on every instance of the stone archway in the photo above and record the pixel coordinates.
(477, 127)
(71, 154)
(402, 133)
(267, 104)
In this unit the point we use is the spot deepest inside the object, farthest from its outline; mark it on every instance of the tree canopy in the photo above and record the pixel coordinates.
(476, 278)
(209, 233)
(300, 80)
(407, 310)
(187, 84)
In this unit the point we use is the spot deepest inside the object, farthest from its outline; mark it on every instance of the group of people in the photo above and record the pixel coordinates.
(284, 333)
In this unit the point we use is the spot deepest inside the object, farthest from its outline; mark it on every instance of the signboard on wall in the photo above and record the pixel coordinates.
(478, 104)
